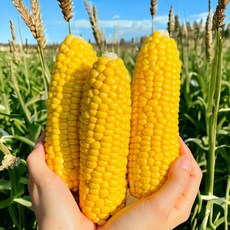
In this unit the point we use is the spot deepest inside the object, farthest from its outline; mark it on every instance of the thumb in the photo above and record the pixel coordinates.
(155, 208)
(36, 164)
(177, 181)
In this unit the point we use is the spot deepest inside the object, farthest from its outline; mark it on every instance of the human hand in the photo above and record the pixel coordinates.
(168, 207)
(53, 203)
(56, 208)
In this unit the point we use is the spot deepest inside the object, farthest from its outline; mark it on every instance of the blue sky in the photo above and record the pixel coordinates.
(130, 18)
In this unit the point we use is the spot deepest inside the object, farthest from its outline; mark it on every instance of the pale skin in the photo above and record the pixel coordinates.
(55, 207)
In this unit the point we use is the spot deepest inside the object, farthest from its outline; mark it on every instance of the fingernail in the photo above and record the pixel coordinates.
(40, 141)
(37, 145)
(184, 149)
(185, 163)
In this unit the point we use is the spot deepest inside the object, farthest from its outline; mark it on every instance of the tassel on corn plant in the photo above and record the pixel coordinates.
(73, 63)
(155, 106)
(104, 138)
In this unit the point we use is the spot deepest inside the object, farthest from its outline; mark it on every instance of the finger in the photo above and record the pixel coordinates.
(37, 166)
(175, 185)
(196, 173)
(184, 150)
(41, 138)
(183, 205)
(36, 159)
(189, 194)
(157, 207)
(33, 157)
(39, 154)
(182, 209)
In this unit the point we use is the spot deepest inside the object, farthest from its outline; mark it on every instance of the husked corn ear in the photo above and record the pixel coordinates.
(73, 63)
(154, 142)
(104, 138)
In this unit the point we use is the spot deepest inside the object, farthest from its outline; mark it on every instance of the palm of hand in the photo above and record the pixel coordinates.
(56, 208)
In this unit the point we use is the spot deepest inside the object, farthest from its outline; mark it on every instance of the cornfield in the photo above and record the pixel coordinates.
(204, 110)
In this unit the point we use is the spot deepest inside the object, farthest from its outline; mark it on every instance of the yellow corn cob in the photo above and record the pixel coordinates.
(104, 138)
(73, 63)
(154, 121)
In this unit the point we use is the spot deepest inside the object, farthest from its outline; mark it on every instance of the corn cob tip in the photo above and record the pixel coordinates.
(80, 38)
(110, 55)
(163, 33)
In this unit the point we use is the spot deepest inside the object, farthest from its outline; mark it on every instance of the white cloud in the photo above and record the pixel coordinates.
(125, 24)
(55, 22)
(83, 23)
(116, 16)
(135, 28)
(198, 17)
(161, 19)
(125, 28)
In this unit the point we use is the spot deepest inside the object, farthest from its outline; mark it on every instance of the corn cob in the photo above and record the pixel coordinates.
(73, 63)
(104, 138)
(154, 141)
